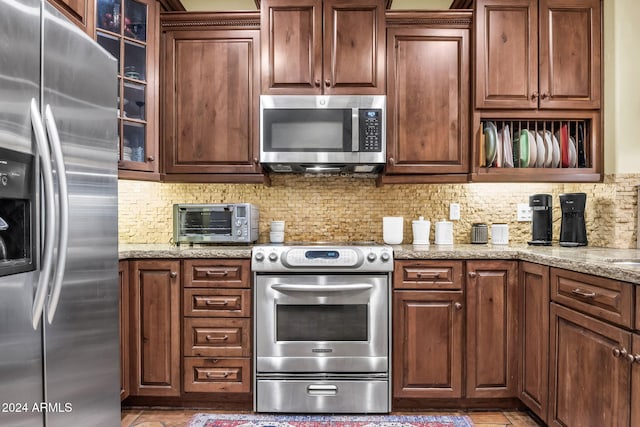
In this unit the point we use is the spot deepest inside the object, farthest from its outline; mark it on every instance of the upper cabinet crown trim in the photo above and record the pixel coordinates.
(224, 20)
(462, 19)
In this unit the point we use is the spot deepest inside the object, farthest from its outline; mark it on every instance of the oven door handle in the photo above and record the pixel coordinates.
(321, 288)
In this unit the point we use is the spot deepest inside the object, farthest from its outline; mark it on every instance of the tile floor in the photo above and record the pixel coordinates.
(134, 417)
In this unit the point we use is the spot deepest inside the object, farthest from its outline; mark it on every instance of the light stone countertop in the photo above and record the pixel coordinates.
(586, 259)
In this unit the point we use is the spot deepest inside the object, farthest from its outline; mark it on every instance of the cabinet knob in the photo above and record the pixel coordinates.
(327, 83)
(173, 274)
(255, 161)
(151, 159)
(636, 358)
(473, 274)
(534, 95)
(619, 352)
(544, 96)
(317, 83)
(391, 161)
(457, 306)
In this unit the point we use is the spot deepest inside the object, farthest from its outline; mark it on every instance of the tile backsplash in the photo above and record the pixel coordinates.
(346, 208)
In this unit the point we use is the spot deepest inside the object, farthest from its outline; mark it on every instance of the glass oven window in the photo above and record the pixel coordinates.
(326, 322)
(207, 222)
(307, 130)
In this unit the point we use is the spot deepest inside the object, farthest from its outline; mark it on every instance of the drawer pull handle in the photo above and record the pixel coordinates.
(217, 375)
(584, 294)
(212, 273)
(428, 275)
(214, 338)
(216, 302)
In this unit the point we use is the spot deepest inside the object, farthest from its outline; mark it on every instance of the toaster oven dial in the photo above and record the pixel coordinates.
(238, 223)
(239, 232)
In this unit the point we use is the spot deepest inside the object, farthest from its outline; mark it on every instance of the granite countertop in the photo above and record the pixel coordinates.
(586, 259)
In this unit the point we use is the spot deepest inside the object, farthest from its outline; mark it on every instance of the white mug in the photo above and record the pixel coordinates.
(500, 234)
(392, 229)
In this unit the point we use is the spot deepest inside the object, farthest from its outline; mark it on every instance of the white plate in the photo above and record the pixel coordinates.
(508, 147)
(556, 152)
(573, 154)
(542, 150)
(548, 149)
(533, 150)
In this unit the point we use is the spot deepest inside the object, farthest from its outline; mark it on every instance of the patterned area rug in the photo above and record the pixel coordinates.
(241, 420)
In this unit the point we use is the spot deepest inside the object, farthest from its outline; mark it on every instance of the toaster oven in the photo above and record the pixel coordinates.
(215, 223)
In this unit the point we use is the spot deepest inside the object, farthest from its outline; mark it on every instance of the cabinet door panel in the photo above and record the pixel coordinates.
(506, 54)
(570, 44)
(155, 300)
(123, 275)
(534, 332)
(427, 348)
(354, 47)
(589, 385)
(291, 46)
(635, 382)
(80, 12)
(492, 306)
(428, 101)
(212, 101)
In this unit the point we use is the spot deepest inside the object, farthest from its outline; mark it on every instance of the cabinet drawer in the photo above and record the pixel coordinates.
(427, 275)
(219, 273)
(217, 375)
(217, 302)
(217, 337)
(601, 297)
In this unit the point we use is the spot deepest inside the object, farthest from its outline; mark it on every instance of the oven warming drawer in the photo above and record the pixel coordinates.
(323, 396)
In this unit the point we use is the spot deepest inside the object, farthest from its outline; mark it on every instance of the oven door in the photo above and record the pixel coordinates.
(322, 323)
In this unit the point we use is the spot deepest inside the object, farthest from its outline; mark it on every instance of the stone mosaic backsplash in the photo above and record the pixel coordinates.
(346, 208)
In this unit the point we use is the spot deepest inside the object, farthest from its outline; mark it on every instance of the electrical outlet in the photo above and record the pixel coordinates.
(454, 211)
(524, 212)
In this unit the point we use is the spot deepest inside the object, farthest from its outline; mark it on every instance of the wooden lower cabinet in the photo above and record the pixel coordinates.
(589, 374)
(533, 385)
(635, 380)
(492, 332)
(123, 278)
(155, 328)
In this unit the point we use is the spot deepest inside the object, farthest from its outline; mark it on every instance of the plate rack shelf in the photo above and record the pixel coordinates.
(583, 130)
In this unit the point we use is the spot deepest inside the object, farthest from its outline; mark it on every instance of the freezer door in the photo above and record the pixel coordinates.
(20, 345)
(82, 372)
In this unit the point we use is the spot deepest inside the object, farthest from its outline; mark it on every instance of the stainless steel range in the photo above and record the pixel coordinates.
(322, 328)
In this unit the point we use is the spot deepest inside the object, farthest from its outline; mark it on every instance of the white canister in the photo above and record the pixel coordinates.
(500, 234)
(444, 233)
(392, 229)
(421, 229)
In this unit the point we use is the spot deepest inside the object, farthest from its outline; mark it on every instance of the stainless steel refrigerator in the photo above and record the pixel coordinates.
(59, 342)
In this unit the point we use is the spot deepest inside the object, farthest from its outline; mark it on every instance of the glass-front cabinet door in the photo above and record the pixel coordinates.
(126, 29)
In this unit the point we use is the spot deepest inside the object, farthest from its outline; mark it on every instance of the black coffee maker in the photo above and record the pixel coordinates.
(541, 219)
(573, 231)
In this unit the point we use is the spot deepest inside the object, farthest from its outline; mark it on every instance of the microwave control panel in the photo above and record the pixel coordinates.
(370, 120)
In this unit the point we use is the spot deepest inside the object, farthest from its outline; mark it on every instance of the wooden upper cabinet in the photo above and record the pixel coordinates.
(80, 12)
(323, 47)
(210, 97)
(563, 73)
(428, 100)
(570, 54)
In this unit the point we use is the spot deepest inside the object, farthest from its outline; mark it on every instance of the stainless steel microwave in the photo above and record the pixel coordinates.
(215, 223)
(332, 133)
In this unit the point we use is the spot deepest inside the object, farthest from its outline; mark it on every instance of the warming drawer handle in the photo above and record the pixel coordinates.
(584, 294)
(217, 375)
(321, 288)
(212, 273)
(49, 224)
(322, 390)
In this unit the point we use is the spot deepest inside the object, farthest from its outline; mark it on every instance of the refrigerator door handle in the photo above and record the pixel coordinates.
(63, 219)
(49, 221)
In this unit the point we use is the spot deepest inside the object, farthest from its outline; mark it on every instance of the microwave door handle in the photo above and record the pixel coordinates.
(321, 288)
(355, 130)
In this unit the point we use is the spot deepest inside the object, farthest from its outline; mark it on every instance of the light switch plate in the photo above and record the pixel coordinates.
(524, 212)
(454, 211)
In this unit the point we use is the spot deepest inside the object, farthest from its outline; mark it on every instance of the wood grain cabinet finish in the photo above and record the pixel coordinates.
(428, 330)
(155, 328)
(80, 12)
(635, 382)
(123, 279)
(210, 98)
(315, 47)
(533, 385)
(216, 326)
(428, 100)
(492, 328)
(538, 54)
(590, 376)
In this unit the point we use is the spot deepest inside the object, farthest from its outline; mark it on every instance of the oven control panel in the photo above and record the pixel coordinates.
(270, 258)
